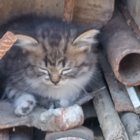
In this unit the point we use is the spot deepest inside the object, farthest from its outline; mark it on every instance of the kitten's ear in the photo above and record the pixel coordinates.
(27, 43)
(86, 40)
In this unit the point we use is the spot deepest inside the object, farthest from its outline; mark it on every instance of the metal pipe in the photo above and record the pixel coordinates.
(123, 50)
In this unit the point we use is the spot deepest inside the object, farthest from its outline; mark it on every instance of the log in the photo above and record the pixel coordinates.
(117, 90)
(46, 120)
(131, 122)
(81, 133)
(122, 49)
(109, 120)
(4, 135)
(68, 10)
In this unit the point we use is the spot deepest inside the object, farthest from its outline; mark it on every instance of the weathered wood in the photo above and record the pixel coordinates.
(81, 133)
(131, 122)
(129, 19)
(134, 8)
(46, 120)
(69, 10)
(4, 135)
(97, 12)
(38, 7)
(122, 48)
(118, 91)
(109, 120)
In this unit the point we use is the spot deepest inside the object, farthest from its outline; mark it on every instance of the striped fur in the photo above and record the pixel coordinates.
(55, 69)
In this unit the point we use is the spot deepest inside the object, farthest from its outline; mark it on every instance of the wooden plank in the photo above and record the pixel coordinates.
(97, 12)
(131, 122)
(68, 10)
(109, 120)
(38, 7)
(118, 92)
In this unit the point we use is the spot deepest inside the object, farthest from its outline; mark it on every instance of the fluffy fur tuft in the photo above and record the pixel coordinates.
(54, 67)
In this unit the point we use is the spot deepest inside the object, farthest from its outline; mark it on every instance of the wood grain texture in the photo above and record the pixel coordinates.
(96, 12)
(109, 120)
(68, 10)
(93, 11)
(10, 9)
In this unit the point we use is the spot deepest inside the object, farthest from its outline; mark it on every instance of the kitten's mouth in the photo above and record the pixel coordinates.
(55, 85)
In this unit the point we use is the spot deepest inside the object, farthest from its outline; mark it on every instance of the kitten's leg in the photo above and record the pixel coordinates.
(23, 102)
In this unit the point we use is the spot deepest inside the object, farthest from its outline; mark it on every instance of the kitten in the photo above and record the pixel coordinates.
(53, 68)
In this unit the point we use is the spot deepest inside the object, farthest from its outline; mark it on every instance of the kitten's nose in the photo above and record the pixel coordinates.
(55, 79)
(55, 82)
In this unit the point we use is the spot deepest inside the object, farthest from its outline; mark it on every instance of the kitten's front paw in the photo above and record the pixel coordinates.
(24, 104)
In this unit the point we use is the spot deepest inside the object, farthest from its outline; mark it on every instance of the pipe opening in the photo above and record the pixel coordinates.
(130, 68)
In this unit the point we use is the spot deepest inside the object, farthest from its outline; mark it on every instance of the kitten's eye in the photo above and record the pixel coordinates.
(43, 70)
(65, 71)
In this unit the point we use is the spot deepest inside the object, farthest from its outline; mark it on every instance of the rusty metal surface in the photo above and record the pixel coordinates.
(123, 50)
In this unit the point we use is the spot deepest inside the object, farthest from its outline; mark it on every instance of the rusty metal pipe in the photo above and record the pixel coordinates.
(123, 50)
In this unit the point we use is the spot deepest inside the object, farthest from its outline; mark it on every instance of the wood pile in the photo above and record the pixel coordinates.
(117, 101)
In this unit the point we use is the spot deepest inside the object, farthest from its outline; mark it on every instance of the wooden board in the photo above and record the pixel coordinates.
(97, 12)
(39, 7)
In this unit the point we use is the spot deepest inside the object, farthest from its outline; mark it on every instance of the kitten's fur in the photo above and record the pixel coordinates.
(55, 70)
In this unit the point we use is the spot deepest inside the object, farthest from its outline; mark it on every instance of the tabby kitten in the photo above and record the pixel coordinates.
(52, 68)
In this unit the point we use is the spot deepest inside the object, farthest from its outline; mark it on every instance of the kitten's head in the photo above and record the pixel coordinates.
(62, 57)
